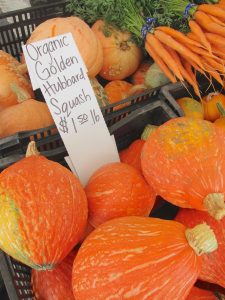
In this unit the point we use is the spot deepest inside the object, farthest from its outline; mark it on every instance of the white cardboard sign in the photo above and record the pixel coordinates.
(56, 67)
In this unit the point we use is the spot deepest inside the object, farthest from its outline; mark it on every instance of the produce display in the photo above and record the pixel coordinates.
(102, 240)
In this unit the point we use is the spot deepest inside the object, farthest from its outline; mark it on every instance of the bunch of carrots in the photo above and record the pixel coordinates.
(179, 55)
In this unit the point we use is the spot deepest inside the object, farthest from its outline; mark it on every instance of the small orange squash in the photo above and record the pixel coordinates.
(191, 108)
(27, 115)
(86, 41)
(132, 154)
(199, 294)
(117, 190)
(213, 265)
(211, 112)
(184, 160)
(54, 284)
(118, 90)
(221, 121)
(11, 76)
(121, 56)
(43, 210)
(140, 258)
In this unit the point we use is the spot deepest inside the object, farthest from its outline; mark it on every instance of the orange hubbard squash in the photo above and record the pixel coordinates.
(211, 112)
(121, 56)
(29, 114)
(11, 76)
(86, 41)
(116, 91)
(43, 211)
(9, 60)
(132, 154)
(140, 258)
(117, 190)
(54, 284)
(184, 160)
(213, 265)
(199, 294)
(191, 108)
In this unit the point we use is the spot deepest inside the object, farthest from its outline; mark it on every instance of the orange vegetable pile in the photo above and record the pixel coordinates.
(124, 253)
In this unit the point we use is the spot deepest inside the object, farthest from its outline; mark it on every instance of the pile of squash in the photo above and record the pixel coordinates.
(98, 242)
(210, 108)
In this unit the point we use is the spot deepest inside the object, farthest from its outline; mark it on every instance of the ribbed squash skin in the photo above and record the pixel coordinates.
(213, 264)
(135, 258)
(184, 160)
(117, 190)
(55, 284)
(28, 115)
(199, 294)
(43, 211)
(10, 75)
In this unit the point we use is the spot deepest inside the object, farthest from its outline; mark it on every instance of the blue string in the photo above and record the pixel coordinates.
(187, 9)
(150, 23)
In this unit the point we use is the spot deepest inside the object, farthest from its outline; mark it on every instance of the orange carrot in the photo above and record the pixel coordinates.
(211, 9)
(192, 36)
(190, 76)
(177, 60)
(178, 36)
(207, 23)
(221, 4)
(217, 66)
(160, 63)
(164, 54)
(202, 52)
(213, 72)
(218, 51)
(171, 42)
(215, 39)
(216, 20)
(196, 29)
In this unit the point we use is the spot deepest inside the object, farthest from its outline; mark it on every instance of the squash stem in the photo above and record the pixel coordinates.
(32, 149)
(220, 109)
(148, 131)
(202, 239)
(214, 204)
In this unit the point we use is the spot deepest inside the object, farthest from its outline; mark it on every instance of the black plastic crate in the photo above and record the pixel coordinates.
(14, 35)
(171, 92)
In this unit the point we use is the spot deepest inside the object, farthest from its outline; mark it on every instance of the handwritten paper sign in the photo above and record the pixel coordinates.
(56, 67)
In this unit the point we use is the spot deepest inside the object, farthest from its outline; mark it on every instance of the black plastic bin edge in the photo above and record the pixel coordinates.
(166, 95)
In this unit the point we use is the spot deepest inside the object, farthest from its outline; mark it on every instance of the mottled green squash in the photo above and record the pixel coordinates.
(99, 92)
